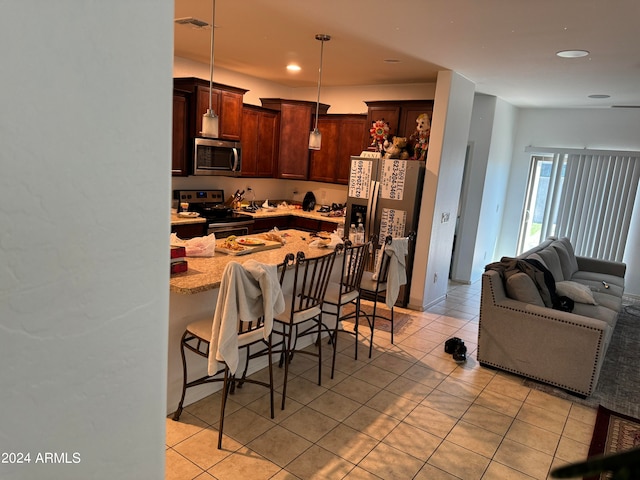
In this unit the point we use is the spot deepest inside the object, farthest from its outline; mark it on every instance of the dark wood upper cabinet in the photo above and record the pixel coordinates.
(226, 101)
(228, 107)
(293, 140)
(354, 131)
(401, 115)
(323, 163)
(342, 136)
(259, 141)
(179, 164)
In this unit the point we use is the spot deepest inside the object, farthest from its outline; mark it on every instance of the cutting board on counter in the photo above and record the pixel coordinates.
(248, 248)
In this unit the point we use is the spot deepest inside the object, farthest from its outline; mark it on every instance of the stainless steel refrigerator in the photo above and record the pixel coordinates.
(384, 195)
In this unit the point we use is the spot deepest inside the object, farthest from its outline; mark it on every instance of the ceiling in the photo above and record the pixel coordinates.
(506, 47)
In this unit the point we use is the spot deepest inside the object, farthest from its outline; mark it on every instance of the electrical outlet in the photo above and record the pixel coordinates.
(445, 217)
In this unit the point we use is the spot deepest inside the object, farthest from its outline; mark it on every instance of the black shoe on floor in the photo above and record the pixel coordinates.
(452, 344)
(460, 354)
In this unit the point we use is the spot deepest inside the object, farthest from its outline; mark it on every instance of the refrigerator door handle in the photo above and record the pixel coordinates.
(372, 205)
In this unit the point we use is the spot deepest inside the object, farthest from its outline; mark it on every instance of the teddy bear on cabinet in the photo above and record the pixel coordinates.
(397, 148)
(420, 138)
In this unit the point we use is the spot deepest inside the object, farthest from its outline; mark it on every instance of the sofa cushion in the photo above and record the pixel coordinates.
(552, 261)
(575, 291)
(612, 302)
(599, 312)
(568, 261)
(592, 280)
(521, 287)
(581, 275)
(535, 256)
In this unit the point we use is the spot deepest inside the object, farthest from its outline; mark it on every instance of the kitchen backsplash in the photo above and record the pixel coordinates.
(266, 188)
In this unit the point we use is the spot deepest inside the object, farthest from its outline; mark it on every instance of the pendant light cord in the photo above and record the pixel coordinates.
(213, 26)
(319, 82)
(323, 38)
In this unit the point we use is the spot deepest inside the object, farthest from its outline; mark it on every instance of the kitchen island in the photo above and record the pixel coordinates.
(193, 295)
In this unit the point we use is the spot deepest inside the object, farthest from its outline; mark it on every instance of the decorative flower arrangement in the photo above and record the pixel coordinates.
(379, 131)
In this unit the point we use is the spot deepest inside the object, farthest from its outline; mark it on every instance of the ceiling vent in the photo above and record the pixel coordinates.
(193, 22)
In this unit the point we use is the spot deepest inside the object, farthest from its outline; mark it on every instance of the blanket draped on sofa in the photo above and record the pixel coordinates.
(541, 276)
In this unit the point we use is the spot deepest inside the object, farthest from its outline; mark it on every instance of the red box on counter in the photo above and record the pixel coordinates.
(179, 266)
(178, 259)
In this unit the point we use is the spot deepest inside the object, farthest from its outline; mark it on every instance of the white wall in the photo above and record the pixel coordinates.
(340, 99)
(85, 129)
(482, 121)
(615, 129)
(183, 67)
(441, 193)
(491, 145)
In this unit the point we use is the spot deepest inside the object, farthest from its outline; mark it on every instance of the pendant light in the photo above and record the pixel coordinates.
(210, 119)
(315, 137)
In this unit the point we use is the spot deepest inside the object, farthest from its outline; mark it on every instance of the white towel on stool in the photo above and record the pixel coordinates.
(397, 275)
(247, 291)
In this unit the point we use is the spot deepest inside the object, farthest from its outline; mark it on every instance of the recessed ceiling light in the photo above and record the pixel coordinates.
(572, 53)
(293, 67)
(599, 95)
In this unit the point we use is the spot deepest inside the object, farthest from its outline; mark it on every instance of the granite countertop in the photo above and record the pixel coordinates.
(176, 220)
(264, 213)
(205, 273)
(296, 212)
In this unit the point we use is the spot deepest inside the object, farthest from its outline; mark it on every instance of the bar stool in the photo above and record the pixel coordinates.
(250, 295)
(303, 311)
(346, 292)
(385, 281)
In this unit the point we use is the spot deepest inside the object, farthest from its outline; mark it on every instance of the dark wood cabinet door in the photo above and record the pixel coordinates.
(403, 123)
(307, 224)
(268, 223)
(323, 163)
(410, 113)
(328, 226)
(354, 132)
(267, 151)
(383, 111)
(189, 230)
(226, 102)
(342, 136)
(259, 141)
(250, 119)
(230, 115)
(202, 105)
(293, 157)
(179, 160)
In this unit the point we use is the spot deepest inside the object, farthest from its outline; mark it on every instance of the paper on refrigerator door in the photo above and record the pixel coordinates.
(360, 178)
(392, 222)
(392, 178)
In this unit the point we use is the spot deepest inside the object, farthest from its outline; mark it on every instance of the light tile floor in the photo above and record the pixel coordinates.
(409, 412)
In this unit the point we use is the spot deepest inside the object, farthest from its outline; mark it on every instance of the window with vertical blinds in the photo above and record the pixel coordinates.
(597, 194)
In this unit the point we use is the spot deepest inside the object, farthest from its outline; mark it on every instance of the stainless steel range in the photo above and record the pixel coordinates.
(222, 220)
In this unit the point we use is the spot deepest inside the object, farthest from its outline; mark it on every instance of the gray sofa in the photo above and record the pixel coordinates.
(522, 334)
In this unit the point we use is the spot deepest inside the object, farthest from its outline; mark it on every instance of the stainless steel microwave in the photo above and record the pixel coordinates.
(217, 157)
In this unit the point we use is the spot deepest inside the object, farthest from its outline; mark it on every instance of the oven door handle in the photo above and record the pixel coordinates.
(231, 224)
